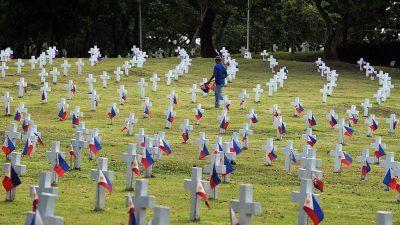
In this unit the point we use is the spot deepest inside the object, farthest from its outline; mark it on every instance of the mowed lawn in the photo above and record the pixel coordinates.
(346, 199)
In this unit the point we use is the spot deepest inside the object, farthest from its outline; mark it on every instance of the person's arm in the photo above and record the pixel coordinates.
(212, 77)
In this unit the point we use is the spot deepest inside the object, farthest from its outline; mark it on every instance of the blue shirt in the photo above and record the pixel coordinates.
(219, 73)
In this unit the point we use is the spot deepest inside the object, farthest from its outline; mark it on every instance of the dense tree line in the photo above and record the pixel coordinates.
(29, 26)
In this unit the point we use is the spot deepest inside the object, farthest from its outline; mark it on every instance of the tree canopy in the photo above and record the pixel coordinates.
(29, 26)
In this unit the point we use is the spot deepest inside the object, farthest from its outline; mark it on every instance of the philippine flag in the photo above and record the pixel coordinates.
(25, 125)
(35, 199)
(374, 125)
(185, 135)
(125, 127)
(294, 160)
(123, 97)
(390, 180)
(254, 118)
(146, 110)
(214, 180)
(380, 152)
(37, 219)
(198, 114)
(11, 179)
(62, 114)
(105, 182)
(318, 184)
(229, 168)
(135, 168)
(312, 121)
(18, 116)
(71, 151)
(333, 121)
(224, 124)
(147, 160)
(164, 147)
(170, 117)
(242, 103)
(395, 122)
(311, 207)
(61, 167)
(39, 139)
(43, 97)
(347, 131)
(131, 212)
(236, 147)
(365, 168)
(299, 108)
(200, 192)
(8, 146)
(143, 143)
(282, 129)
(75, 120)
(346, 159)
(234, 219)
(311, 140)
(271, 155)
(28, 147)
(94, 145)
(204, 152)
(73, 89)
(354, 119)
(175, 100)
(112, 114)
(244, 138)
(213, 86)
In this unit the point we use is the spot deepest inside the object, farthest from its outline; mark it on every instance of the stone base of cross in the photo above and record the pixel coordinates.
(384, 218)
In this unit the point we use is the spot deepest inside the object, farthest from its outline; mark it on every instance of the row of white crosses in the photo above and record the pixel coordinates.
(232, 65)
(385, 81)
(6, 56)
(331, 78)
(138, 57)
(181, 68)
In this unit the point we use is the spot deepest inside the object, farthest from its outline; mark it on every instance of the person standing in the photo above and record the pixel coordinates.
(219, 74)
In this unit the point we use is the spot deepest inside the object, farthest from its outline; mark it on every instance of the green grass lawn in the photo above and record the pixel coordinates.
(346, 199)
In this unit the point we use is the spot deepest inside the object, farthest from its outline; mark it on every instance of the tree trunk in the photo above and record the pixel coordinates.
(207, 46)
(335, 38)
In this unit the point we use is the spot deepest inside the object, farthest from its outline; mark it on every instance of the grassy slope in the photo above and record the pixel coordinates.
(346, 200)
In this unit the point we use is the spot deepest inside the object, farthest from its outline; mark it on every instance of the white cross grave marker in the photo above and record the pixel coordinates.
(393, 122)
(193, 185)
(142, 201)
(104, 77)
(21, 87)
(78, 144)
(289, 152)
(199, 113)
(18, 168)
(94, 100)
(118, 74)
(53, 157)
(363, 159)
(55, 73)
(80, 64)
(65, 67)
(126, 67)
(122, 92)
(243, 96)
(90, 80)
(7, 103)
(245, 205)
(44, 91)
(33, 62)
(102, 168)
(154, 81)
(19, 63)
(257, 90)
(131, 159)
(300, 197)
(194, 91)
(245, 135)
(142, 84)
(130, 122)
